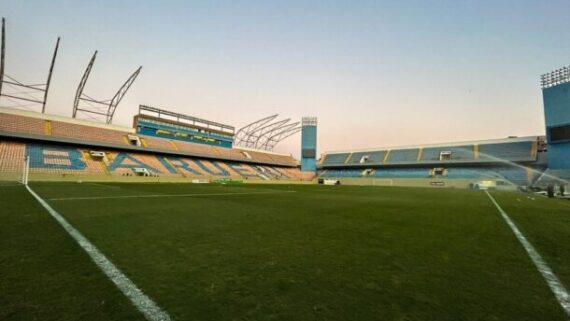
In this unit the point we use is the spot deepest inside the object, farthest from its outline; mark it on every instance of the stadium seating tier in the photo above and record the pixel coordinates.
(66, 160)
(48, 128)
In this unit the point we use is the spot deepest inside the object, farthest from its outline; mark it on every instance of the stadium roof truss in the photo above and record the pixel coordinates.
(23, 95)
(266, 133)
(91, 106)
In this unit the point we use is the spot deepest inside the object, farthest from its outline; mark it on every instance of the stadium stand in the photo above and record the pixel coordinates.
(475, 173)
(403, 156)
(517, 176)
(367, 157)
(514, 161)
(29, 125)
(335, 159)
(158, 143)
(21, 124)
(51, 159)
(63, 147)
(517, 151)
(87, 133)
(455, 153)
(342, 173)
(402, 173)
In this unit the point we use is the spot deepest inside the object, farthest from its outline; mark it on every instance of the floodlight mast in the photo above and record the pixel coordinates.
(104, 108)
(555, 77)
(17, 85)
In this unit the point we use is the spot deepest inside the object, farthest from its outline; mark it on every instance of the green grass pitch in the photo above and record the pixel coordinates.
(266, 252)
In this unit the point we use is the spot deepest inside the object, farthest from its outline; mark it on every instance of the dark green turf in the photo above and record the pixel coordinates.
(44, 275)
(546, 224)
(321, 253)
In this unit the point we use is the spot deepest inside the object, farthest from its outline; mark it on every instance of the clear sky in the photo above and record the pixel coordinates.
(375, 73)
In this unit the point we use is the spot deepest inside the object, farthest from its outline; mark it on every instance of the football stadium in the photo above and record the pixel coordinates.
(183, 218)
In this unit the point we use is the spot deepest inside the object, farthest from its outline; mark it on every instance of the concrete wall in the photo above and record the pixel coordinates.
(41, 177)
(412, 182)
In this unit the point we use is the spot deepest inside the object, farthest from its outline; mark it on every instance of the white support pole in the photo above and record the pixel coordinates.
(26, 170)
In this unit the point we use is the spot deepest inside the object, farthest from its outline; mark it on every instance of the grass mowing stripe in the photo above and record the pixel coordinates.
(142, 302)
(551, 279)
(164, 195)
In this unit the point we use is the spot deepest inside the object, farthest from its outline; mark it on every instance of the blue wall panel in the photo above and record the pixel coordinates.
(556, 113)
(309, 148)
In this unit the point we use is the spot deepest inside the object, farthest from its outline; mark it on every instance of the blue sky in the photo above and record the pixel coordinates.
(375, 73)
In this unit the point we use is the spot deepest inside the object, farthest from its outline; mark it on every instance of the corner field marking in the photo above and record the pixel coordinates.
(142, 302)
(165, 195)
(551, 279)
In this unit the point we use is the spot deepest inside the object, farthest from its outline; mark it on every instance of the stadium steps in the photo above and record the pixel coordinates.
(180, 171)
(47, 128)
(386, 156)
(534, 151)
(105, 169)
(101, 163)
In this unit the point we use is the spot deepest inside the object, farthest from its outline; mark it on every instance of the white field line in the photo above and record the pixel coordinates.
(551, 279)
(142, 302)
(164, 195)
(103, 185)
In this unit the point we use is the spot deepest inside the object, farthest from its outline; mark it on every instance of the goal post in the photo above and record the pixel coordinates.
(25, 170)
(14, 170)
